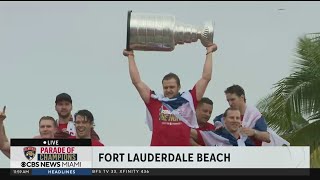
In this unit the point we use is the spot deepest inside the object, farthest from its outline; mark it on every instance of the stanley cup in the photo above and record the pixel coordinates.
(155, 32)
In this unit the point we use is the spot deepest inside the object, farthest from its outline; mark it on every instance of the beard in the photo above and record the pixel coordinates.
(64, 116)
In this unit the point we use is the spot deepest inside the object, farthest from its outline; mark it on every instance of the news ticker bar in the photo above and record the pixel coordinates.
(160, 172)
(50, 142)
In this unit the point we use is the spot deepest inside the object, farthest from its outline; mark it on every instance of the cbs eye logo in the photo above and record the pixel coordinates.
(29, 164)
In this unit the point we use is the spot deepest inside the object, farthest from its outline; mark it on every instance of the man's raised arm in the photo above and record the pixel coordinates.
(202, 84)
(142, 88)
(4, 142)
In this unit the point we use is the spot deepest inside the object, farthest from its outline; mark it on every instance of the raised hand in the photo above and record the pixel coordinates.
(212, 48)
(127, 53)
(247, 131)
(3, 114)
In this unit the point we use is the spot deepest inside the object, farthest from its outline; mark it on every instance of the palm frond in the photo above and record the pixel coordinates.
(315, 158)
(278, 117)
(300, 89)
(313, 36)
(296, 98)
(314, 117)
(307, 136)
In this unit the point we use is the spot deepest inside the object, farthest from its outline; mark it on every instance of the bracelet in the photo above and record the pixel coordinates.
(209, 52)
(131, 55)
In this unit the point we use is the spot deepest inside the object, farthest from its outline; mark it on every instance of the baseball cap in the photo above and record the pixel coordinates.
(63, 97)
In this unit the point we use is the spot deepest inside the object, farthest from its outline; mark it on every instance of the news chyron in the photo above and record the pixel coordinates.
(50, 157)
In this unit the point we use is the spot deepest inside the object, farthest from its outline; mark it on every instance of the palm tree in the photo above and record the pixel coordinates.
(293, 109)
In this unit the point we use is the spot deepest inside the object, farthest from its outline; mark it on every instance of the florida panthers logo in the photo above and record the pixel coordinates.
(29, 152)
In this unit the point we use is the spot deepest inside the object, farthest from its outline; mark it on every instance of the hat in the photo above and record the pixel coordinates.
(63, 97)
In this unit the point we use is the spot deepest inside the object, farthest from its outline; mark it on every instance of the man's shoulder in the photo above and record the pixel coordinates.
(221, 131)
(95, 142)
(252, 109)
(210, 126)
(154, 101)
(94, 135)
(218, 118)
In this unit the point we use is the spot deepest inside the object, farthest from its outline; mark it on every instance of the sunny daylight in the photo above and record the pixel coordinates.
(74, 51)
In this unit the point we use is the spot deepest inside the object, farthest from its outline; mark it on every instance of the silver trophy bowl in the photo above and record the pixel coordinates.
(156, 32)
